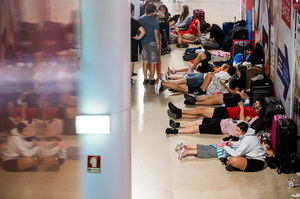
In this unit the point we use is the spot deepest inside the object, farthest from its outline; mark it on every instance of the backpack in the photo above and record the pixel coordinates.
(257, 56)
(188, 56)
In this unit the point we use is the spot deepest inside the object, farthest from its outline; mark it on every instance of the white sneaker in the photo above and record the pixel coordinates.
(182, 154)
(157, 86)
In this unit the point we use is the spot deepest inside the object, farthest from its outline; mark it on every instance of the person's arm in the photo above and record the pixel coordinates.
(229, 89)
(241, 150)
(184, 23)
(242, 111)
(198, 29)
(19, 145)
(141, 35)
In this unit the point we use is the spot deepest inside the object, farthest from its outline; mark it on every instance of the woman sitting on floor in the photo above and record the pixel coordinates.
(247, 154)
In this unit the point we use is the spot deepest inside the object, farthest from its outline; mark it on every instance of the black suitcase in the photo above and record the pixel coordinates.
(286, 138)
(273, 106)
(258, 89)
(164, 34)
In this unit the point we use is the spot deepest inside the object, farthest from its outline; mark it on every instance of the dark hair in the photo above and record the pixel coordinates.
(184, 13)
(21, 126)
(164, 7)
(150, 9)
(261, 100)
(132, 7)
(204, 27)
(243, 126)
(231, 70)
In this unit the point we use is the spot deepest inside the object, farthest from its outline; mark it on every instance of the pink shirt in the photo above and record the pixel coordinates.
(228, 126)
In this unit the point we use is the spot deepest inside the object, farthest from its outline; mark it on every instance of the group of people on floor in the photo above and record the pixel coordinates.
(182, 28)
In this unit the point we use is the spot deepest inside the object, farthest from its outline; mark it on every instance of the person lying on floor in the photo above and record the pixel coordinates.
(217, 112)
(247, 154)
(216, 125)
(195, 83)
(228, 99)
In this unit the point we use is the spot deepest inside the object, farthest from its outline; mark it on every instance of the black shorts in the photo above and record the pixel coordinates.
(210, 126)
(205, 67)
(231, 100)
(134, 50)
(254, 165)
(11, 165)
(192, 89)
(220, 113)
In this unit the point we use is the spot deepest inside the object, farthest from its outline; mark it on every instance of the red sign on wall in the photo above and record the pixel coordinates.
(94, 164)
(286, 12)
(296, 5)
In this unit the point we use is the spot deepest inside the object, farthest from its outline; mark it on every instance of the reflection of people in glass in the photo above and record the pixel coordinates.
(21, 155)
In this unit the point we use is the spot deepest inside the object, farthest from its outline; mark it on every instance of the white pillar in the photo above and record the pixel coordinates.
(105, 89)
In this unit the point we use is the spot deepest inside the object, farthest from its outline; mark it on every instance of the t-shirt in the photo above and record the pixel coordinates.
(234, 112)
(217, 33)
(149, 24)
(135, 25)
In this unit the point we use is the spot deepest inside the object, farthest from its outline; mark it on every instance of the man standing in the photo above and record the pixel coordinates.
(150, 43)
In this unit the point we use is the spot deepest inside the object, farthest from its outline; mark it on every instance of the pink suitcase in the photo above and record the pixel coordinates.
(274, 130)
(200, 14)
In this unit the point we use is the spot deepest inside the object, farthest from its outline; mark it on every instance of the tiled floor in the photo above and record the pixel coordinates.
(156, 171)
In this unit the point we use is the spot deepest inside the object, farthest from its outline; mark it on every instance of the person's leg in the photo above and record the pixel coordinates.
(48, 164)
(132, 67)
(214, 99)
(199, 58)
(189, 130)
(207, 81)
(25, 163)
(238, 162)
(189, 124)
(152, 70)
(145, 69)
(177, 87)
(178, 81)
(204, 111)
(204, 98)
(158, 64)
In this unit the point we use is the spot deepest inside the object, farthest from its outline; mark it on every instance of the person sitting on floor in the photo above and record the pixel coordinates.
(189, 36)
(247, 154)
(216, 37)
(21, 155)
(218, 125)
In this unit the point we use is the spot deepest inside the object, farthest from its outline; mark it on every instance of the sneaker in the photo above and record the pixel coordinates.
(190, 99)
(171, 131)
(157, 86)
(196, 42)
(146, 81)
(179, 147)
(231, 168)
(173, 108)
(133, 74)
(173, 115)
(223, 160)
(182, 154)
(174, 124)
(152, 82)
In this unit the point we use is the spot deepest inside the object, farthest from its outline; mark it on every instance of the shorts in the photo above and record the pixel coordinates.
(254, 165)
(210, 126)
(150, 52)
(205, 67)
(206, 151)
(231, 100)
(194, 79)
(11, 165)
(192, 89)
(220, 113)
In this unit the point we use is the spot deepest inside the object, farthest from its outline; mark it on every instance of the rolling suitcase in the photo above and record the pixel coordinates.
(227, 28)
(274, 130)
(273, 107)
(251, 72)
(240, 46)
(200, 14)
(286, 138)
(258, 89)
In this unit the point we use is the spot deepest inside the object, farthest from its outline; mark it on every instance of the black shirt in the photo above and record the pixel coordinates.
(217, 33)
(135, 25)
